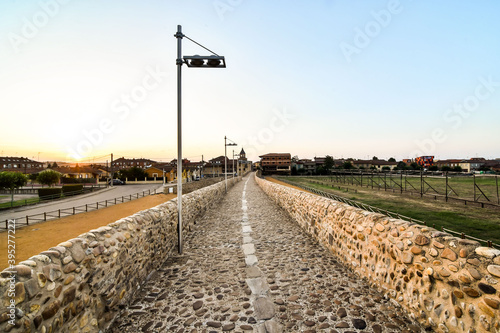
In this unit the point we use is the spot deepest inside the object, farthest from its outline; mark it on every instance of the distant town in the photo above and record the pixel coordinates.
(271, 163)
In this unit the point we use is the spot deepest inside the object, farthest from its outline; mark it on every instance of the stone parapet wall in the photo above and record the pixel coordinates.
(446, 283)
(81, 284)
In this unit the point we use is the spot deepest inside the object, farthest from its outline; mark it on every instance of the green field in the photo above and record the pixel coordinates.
(484, 188)
(483, 223)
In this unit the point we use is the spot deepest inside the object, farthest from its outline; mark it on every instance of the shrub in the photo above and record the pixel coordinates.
(49, 193)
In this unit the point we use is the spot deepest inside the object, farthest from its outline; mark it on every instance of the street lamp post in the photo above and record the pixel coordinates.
(225, 157)
(212, 61)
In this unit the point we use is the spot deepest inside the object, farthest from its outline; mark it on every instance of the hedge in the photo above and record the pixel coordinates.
(49, 193)
(72, 189)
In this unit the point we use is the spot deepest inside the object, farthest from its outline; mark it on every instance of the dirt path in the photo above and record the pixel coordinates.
(32, 240)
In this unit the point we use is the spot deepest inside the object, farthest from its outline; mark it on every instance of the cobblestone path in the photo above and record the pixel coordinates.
(247, 267)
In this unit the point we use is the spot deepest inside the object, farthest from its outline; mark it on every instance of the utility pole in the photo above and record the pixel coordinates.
(111, 168)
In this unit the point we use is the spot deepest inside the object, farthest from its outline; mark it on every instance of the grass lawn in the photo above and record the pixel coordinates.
(17, 203)
(483, 223)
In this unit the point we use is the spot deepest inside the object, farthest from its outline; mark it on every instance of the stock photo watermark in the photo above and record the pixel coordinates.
(31, 26)
(371, 30)
(11, 261)
(280, 120)
(122, 108)
(222, 7)
(456, 115)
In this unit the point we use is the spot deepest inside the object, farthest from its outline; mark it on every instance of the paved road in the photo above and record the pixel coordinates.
(91, 198)
(247, 267)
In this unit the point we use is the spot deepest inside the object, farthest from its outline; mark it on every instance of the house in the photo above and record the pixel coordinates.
(158, 170)
(276, 163)
(452, 163)
(472, 164)
(375, 164)
(20, 164)
(126, 163)
(308, 165)
(78, 172)
(425, 161)
(494, 165)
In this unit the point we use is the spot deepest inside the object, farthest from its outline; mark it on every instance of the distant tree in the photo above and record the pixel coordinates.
(433, 168)
(375, 158)
(132, 173)
(484, 168)
(54, 165)
(320, 170)
(445, 168)
(11, 180)
(48, 177)
(49, 165)
(415, 166)
(329, 163)
(32, 177)
(402, 166)
(294, 170)
(373, 167)
(347, 165)
(392, 159)
(458, 168)
(386, 168)
(295, 159)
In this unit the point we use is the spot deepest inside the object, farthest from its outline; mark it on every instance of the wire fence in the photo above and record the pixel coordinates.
(390, 214)
(483, 191)
(55, 214)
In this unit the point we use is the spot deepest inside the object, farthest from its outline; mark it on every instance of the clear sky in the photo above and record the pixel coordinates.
(344, 78)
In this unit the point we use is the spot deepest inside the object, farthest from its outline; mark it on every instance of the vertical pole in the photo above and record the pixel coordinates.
(179, 36)
(225, 162)
(401, 182)
(446, 194)
(498, 197)
(111, 167)
(474, 178)
(421, 184)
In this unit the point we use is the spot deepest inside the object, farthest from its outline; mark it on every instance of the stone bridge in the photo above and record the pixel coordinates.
(261, 258)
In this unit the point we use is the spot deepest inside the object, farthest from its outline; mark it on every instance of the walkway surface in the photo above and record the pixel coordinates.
(248, 267)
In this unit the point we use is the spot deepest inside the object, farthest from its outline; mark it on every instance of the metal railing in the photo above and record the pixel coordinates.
(55, 214)
(390, 214)
(47, 198)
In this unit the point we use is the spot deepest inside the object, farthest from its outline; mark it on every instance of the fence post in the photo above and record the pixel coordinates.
(73, 210)
(421, 184)
(86, 208)
(97, 205)
(446, 190)
(474, 178)
(27, 220)
(498, 197)
(59, 213)
(45, 216)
